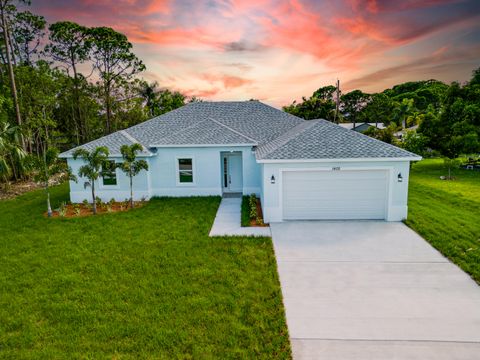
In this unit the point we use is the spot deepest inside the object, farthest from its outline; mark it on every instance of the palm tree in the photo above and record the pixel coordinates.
(130, 166)
(402, 111)
(11, 151)
(95, 162)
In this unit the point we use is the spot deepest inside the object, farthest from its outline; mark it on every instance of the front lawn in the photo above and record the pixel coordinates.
(447, 213)
(148, 283)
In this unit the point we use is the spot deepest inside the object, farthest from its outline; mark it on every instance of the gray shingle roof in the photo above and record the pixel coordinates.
(321, 139)
(276, 134)
(113, 142)
(206, 132)
(236, 122)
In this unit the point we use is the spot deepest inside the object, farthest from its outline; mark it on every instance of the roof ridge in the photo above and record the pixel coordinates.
(233, 130)
(307, 124)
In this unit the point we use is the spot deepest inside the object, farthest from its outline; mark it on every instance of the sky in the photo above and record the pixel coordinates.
(277, 51)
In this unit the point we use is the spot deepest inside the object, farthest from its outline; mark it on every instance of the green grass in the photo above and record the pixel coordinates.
(245, 211)
(148, 283)
(447, 213)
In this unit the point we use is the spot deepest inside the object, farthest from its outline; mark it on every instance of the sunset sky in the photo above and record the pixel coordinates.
(278, 51)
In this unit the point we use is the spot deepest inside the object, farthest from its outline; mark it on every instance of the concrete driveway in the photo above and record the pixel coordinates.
(373, 290)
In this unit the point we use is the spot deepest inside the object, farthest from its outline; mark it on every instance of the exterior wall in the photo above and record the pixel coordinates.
(398, 191)
(161, 178)
(119, 192)
(207, 171)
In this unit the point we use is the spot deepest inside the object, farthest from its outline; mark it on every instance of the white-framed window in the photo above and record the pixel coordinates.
(185, 170)
(109, 177)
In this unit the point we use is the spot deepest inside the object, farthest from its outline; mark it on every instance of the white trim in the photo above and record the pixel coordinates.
(389, 190)
(266, 161)
(177, 171)
(202, 145)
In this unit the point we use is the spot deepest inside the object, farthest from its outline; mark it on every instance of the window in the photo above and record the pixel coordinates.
(185, 171)
(109, 173)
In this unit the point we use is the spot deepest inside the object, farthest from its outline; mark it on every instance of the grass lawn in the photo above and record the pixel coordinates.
(147, 283)
(447, 213)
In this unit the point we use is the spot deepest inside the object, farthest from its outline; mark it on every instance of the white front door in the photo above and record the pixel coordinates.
(232, 173)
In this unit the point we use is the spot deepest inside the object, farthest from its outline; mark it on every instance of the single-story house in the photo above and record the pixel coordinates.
(300, 169)
(362, 126)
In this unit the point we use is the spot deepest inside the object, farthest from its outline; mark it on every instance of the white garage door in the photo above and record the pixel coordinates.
(334, 195)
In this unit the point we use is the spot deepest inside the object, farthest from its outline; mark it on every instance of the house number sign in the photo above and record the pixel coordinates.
(336, 168)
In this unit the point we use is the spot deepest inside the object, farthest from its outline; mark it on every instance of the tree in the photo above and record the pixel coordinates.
(27, 31)
(47, 165)
(11, 152)
(70, 46)
(378, 110)
(321, 105)
(6, 8)
(402, 111)
(386, 135)
(353, 103)
(95, 165)
(414, 142)
(456, 130)
(130, 166)
(116, 64)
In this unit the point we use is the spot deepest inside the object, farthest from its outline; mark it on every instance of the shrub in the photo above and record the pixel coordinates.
(253, 206)
(62, 210)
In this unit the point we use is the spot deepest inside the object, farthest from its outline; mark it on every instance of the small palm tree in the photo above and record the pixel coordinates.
(130, 166)
(47, 166)
(95, 163)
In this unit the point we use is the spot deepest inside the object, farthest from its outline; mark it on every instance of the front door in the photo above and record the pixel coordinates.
(232, 173)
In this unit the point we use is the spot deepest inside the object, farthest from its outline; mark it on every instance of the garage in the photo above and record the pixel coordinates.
(335, 194)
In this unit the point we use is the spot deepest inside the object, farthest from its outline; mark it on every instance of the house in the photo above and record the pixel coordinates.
(362, 127)
(300, 169)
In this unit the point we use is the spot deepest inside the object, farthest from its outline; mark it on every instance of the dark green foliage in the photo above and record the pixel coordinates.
(353, 103)
(105, 287)
(321, 105)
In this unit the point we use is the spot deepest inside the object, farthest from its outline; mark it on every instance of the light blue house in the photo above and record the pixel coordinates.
(300, 169)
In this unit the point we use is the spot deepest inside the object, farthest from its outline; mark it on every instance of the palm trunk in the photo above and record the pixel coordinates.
(49, 207)
(11, 73)
(94, 203)
(131, 191)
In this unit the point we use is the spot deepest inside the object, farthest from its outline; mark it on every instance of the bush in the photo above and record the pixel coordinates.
(253, 206)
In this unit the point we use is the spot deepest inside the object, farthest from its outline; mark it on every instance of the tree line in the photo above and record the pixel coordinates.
(64, 84)
(436, 118)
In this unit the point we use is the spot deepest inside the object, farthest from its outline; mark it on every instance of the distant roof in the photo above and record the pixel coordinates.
(321, 139)
(204, 123)
(350, 125)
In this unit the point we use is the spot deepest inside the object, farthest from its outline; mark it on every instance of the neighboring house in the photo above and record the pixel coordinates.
(362, 127)
(300, 169)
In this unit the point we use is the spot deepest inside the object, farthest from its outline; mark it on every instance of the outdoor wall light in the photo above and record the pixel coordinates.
(272, 180)
(399, 177)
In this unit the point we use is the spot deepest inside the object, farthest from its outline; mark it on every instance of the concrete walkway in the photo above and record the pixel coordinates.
(228, 221)
(373, 290)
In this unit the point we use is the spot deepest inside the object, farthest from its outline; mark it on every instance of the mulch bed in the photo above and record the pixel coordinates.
(253, 222)
(88, 211)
